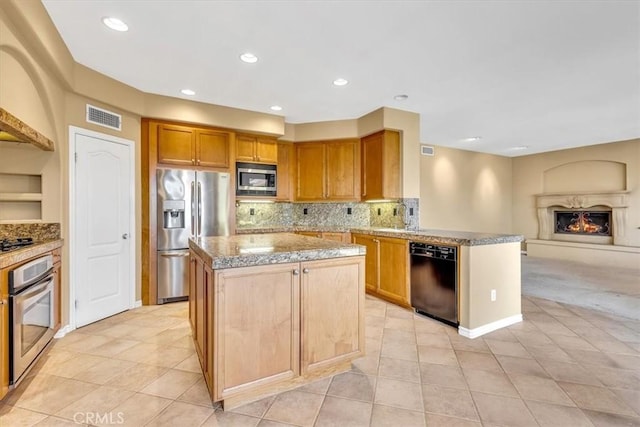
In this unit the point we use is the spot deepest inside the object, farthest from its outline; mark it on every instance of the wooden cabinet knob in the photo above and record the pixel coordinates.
(305, 270)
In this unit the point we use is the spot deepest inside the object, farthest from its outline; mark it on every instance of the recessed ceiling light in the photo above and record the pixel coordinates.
(340, 82)
(115, 24)
(249, 57)
(519, 148)
(401, 97)
(473, 139)
(187, 92)
(276, 108)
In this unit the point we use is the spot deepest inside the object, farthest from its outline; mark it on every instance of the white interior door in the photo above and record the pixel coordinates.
(103, 251)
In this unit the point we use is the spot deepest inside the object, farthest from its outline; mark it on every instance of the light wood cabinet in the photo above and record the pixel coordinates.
(329, 235)
(189, 146)
(381, 166)
(386, 267)
(285, 172)
(4, 333)
(259, 149)
(57, 271)
(328, 170)
(270, 325)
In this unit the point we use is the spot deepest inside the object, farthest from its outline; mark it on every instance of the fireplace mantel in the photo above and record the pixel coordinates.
(615, 200)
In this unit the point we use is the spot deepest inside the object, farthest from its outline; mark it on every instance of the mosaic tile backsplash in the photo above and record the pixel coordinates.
(256, 215)
(39, 231)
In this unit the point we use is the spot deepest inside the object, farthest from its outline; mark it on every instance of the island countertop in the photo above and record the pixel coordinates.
(244, 250)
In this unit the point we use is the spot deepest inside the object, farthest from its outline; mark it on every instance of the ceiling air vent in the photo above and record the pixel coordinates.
(427, 150)
(104, 118)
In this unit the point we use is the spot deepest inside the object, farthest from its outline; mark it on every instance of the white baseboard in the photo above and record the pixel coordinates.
(489, 327)
(137, 304)
(63, 331)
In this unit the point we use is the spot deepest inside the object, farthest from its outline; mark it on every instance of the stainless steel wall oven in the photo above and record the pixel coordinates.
(31, 313)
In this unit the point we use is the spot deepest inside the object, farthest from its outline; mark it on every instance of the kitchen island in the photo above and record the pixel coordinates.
(270, 312)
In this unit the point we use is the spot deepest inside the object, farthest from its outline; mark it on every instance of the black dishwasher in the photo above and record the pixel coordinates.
(434, 281)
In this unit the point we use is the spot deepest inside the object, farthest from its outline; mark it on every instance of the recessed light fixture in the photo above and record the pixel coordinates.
(472, 139)
(115, 23)
(249, 58)
(340, 82)
(401, 97)
(519, 148)
(276, 108)
(187, 92)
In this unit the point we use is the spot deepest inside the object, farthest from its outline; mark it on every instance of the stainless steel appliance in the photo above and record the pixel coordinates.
(255, 179)
(434, 281)
(190, 204)
(31, 311)
(7, 245)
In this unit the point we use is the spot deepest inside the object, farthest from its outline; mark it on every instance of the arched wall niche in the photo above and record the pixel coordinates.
(586, 176)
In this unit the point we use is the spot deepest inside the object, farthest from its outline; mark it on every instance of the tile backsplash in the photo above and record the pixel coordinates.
(347, 215)
(38, 231)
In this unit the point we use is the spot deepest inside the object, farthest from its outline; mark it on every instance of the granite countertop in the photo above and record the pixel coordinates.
(38, 248)
(447, 237)
(244, 250)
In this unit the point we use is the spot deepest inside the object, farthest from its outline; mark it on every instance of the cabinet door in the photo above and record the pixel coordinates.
(200, 306)
(192, 292)
(266, 150)
(257, 320)
(209, 298)
(371, 275)
(212, 149)
(372, 166)
(310, 233)
(343, 170)
(57, 292)
(285, 169)
(176, 145)
(394, 277)
(245, 148)
(333, 311)
(4, 336)
(337, 237)
(310, 176)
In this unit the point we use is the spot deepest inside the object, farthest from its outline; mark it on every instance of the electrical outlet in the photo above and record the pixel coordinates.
(349, 211)
(493, 295)
(395, 211)
(379, 211)
(410, 211)
(252, 211)
(305, 211)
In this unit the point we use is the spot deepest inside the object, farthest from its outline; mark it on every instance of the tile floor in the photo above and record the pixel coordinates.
(563, 366)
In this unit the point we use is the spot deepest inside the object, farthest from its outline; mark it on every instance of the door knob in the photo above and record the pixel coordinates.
(305, 270)
(125, 236)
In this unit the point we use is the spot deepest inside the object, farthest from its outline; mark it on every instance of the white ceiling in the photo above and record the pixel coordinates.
(543, 74)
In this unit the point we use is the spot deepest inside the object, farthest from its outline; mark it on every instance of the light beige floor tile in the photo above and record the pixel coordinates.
(100, 400)
(627, 361)
(269, 423)
(438, 340)
(505, 411)
(18, 417)
(596, 398)
(603, 419)
(550, 415)
(569, 372)
(52, 421)
(387, 416)
(449, 401)
(401, 324)
(198, 394)
(489, 382)
(184, 342)
(444, 421)
(49, 393)
(255, 409)
(74, 366)
(507, 348)
(181, 414)
(401, 394)
(501, 335)
(139, 409)
(611, 345)
(618, 378)
(110, 348)
(630, 397)
(368, 364)
(156, 355)
(448, 376)
(353, 386)
(424, 324)
(475, 360)
(597, 358)
(441, 356)
(137, 377)
(398, 336)
(167, 336)
(548, 352)
(399, 312)
(104, 371)
(88, 343)
(307, 406)
(573, 343)
(399, 369)
(540, 389)
(400, 351)
(371, 344)
(343, 412)
(517, 365)
(190, 364)
(318, 386)
(230, 419)
(466, 344)
(172, 384)
(528, 338)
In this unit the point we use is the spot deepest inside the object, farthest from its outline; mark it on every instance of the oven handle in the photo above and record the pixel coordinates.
(33, 294)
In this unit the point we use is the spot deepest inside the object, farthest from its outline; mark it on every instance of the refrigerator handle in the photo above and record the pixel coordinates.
(199, 209)
(193, 209)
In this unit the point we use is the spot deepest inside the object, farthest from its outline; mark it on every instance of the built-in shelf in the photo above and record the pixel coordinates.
(20, 197)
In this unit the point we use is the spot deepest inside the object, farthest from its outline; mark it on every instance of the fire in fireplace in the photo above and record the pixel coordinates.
(594, 223)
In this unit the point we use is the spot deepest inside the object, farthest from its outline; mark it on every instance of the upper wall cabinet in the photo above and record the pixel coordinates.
(259, 149)
(188, 146)
(381, 167)
(285, 171)
(328, 170)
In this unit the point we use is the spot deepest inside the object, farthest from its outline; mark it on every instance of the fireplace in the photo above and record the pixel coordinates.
(589, 223)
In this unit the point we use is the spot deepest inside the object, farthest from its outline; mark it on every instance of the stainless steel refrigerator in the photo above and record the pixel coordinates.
(190, 204)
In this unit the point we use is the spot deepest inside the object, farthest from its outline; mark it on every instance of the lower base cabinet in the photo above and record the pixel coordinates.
(265, 326)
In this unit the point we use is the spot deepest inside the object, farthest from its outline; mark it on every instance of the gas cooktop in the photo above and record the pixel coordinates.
(7, 245)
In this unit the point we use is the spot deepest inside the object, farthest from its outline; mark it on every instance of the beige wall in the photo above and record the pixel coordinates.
(562, 167)
(465, 190)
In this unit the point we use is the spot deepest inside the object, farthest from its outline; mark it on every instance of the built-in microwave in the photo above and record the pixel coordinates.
(254, 179)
